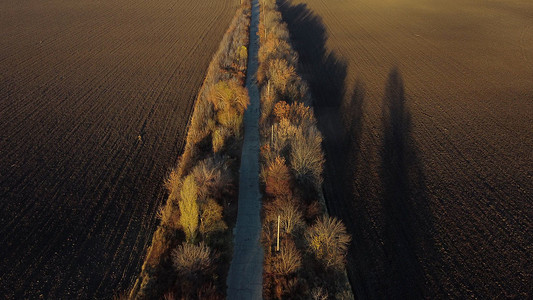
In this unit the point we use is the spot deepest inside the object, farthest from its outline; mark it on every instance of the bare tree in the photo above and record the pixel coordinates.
(288, 260)
(328, 241)
(192, 260)
(307, 158)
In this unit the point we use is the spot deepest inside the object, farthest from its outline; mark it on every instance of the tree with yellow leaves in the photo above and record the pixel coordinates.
(189, 208)
(211, 219)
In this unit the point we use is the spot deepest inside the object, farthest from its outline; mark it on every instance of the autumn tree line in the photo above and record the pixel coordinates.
(305, 249)
(191, 249)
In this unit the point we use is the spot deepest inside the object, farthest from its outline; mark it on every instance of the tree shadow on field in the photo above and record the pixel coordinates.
(339, 120)
(408, 229)
(323, 70)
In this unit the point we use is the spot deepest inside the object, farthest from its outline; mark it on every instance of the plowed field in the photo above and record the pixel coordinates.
(427, 109)
(95, 98)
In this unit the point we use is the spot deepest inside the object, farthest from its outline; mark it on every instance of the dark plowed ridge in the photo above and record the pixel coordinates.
(431, 168)
(95, 98)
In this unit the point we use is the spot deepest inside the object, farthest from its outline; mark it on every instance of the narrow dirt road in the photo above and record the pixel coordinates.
(245, 278)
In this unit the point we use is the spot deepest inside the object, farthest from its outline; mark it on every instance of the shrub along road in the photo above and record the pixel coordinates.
(245, 279)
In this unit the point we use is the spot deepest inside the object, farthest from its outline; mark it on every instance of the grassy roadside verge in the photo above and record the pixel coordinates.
(191, 249)
(310, 260)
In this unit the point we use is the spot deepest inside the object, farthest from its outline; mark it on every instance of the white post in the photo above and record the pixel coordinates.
(277, 244)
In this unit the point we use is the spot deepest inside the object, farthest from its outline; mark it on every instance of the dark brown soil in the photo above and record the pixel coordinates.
(95, 98)
(427, 110)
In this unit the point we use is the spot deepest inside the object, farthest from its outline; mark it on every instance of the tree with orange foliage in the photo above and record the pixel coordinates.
(278, 178)
(281, 110)
(280, 73)
(301, 115)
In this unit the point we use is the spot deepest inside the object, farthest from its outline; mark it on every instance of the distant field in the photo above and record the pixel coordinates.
(95, 97)
(437, 100)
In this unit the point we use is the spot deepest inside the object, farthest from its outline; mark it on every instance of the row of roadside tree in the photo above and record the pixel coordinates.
(191, 249)
(305, 249)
